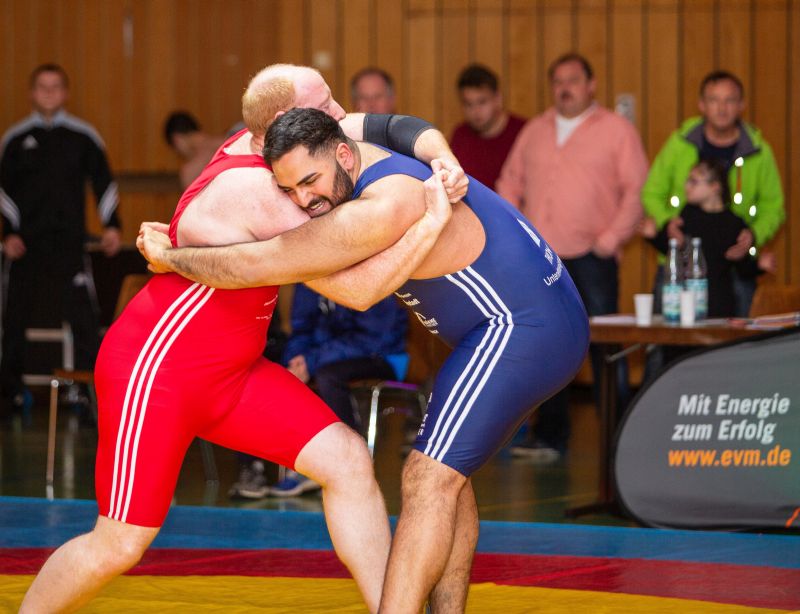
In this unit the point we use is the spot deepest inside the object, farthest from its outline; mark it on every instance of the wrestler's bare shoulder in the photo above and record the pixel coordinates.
(243, 204)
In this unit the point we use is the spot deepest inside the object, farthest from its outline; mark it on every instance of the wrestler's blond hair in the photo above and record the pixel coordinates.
(271, 90)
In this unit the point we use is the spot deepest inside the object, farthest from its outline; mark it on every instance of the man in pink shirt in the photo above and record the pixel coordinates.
(576, 171)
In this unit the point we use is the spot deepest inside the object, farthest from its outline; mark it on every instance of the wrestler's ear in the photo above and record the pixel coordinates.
(344, 156)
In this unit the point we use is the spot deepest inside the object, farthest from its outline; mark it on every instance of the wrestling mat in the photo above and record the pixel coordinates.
(233, 560)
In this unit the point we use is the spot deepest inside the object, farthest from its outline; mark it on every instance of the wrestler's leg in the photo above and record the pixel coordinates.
(79, 569)
(280, 419)
(450, 593)
(423, 541)
(337, 458)
(142, 440)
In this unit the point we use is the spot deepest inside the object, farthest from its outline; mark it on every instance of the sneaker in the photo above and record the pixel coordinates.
(252, 483)
(293, 485)
(536, 451)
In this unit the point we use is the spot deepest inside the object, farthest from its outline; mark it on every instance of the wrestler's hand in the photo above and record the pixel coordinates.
(437, 205)
(157, 226)
(455, 179)
(153, 245)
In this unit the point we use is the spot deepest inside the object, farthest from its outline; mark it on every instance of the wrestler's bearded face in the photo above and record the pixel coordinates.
(341, 192)
(317, 184)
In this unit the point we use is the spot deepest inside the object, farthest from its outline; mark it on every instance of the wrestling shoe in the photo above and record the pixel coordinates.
(252, 483)
(293, 485)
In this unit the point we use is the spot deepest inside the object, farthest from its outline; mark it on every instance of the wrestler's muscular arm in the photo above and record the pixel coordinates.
(349, 234)
(364, 284)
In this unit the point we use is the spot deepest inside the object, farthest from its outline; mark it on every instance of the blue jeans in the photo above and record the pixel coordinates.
(597, 282)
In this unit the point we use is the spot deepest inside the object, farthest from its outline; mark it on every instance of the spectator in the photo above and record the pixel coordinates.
(372, 91)
(482, 142)
(332, 345)
(752, 174)
(576, 172)
(708, 215)
(182, 133)
(45, 161)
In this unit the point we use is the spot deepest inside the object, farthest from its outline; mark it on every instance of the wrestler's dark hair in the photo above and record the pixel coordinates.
(49, 67)
(477, 75)
(179, 122)
(718, 173)
(721, 75)
(312, 128)
(571, 57)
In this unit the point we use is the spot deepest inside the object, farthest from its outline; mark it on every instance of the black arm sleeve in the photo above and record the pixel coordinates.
(397, 132)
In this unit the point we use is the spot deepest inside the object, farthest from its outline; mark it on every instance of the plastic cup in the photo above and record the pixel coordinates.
(687, 307)
(643, 304)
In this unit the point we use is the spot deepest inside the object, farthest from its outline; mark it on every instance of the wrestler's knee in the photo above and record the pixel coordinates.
(422, 474)
(119, 546)
(337, 455)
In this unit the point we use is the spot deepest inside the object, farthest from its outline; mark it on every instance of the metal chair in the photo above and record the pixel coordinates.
(377, 387)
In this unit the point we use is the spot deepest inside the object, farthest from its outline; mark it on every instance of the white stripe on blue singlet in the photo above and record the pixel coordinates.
(455, 410)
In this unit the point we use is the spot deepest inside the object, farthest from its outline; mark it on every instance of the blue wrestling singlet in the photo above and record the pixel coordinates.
(514, 319)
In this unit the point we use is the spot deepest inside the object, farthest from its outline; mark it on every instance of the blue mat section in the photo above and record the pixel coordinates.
(39, 523)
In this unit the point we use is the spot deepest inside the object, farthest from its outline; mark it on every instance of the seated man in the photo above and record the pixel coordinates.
(514, 344)
(331, 346)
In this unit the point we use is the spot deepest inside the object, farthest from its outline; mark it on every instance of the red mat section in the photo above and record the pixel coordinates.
(766, 587)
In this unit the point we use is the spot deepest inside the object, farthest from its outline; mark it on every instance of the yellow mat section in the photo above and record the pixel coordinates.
(235, 594)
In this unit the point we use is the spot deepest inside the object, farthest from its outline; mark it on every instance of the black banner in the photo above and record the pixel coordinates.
(714, 441)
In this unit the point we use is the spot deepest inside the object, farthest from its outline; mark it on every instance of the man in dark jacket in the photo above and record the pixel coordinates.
(333, 346)
(45, 162)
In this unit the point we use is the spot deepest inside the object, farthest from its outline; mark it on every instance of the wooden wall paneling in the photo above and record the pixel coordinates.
(323, 41)
(662, 74)
(523, 76)
(660, 113)
(154, 89)
(769, 87)
(212, 49)
(421, 65)
(187, 56)
(292, 33)
(94, 93)
(125, 72)
(455, 53)
(389, 25)
(8, 64)
(488, 36)
(591, 24)
(792, 179)
(261, 44)
(356, 40)
(626, 68)
(558, 31)
(696, 51)
(735, 42)
(110, 46)
(237, 65)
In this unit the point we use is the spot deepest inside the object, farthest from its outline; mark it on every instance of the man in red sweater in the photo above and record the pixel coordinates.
(484, 139)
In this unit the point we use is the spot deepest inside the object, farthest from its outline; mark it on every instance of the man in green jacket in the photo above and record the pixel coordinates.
(753, 174)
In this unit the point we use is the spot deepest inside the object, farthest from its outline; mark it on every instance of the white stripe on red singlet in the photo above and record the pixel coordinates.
(174, 319)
